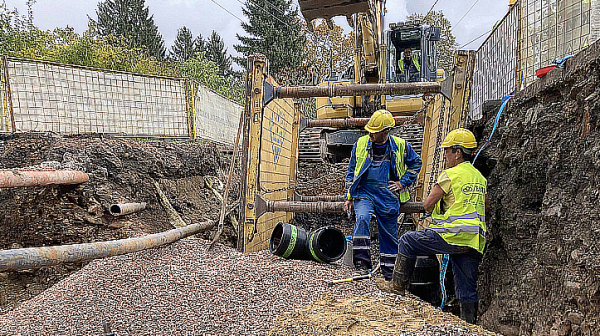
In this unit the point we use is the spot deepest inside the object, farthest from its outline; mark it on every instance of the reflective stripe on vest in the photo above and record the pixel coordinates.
(472, 215)
(464, 222)
(457, 229)
(362, 155)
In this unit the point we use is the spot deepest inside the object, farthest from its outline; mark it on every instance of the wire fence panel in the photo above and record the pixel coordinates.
(216, 117)
(70, 99)
(552, 29)
(496, 64)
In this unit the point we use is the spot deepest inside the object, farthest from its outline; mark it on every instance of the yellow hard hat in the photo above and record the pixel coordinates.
(460, 137)
(380, 120)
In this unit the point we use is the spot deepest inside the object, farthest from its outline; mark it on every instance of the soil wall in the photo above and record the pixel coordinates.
(541, 270)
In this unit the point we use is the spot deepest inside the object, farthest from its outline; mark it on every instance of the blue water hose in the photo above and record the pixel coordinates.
(443, 269)
(505, 100)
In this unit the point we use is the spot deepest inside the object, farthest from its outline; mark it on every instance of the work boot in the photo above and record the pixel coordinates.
(386, 286)
(360, 268)
(468, 311)
(403, 270)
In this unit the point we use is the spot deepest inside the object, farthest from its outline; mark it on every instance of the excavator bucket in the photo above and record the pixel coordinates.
(328, 9)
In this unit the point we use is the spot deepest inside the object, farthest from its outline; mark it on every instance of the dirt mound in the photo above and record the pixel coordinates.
(367, 316)
(541, 270)
(120, 171)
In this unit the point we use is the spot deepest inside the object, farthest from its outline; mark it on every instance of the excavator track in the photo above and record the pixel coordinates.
(310, 147)
(412, 133)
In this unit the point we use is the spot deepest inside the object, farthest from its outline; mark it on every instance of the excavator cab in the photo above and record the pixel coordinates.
(411, 57)
(412, 53)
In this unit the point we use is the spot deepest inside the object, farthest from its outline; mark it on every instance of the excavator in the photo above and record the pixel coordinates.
(376, 60)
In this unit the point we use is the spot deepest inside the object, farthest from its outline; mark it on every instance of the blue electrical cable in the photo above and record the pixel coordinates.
(443, 269)
(505, 100)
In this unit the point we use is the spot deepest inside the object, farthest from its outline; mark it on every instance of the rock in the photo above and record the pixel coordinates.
(508, 330)
(575, 317)
(564, 329)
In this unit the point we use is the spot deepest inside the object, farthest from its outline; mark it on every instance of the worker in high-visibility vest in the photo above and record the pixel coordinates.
(458, 203)
(409, 66)
(381, 168)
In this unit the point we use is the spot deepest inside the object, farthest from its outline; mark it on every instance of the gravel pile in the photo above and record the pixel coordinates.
(181, 289)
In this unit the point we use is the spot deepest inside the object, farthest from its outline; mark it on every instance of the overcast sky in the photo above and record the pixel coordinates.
(204, 16)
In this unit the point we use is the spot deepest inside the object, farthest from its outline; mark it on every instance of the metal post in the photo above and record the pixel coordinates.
(26, 258)
(263, 206)
(348, 122)
(356, 90)
(9, 95)
(9, 179)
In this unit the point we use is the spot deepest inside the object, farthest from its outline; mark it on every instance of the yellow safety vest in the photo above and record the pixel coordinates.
(464, 222)
(397, 156)
(415, 61)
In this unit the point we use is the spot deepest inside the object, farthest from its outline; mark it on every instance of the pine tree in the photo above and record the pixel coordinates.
(184, 46)
(130, 19)
(274, 30)
(447, 43)
(216, 52)
(199, 44)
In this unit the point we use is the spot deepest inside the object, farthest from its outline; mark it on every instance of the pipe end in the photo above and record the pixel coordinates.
(115, 210)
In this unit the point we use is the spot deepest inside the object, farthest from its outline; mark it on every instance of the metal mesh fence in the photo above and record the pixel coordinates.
(216, 117)
(551, 29)
(531, 36)
(496, 64)
(51, 97)
(46, 96)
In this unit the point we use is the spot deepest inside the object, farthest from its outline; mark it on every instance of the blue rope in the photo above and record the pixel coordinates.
(505, 100)
(443, 269)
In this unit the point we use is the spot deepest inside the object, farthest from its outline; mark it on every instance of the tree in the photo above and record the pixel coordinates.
(328, 48)
(447, 44)
(216, 52)
(274, 30)
(130, 19)
(20, 38)
(185, 46)
(199, 44)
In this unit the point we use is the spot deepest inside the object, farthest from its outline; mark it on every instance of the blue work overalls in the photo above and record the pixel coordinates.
(373, 197)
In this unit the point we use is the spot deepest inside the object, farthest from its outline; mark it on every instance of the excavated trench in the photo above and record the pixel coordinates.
(121, 171)
(541, 271)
